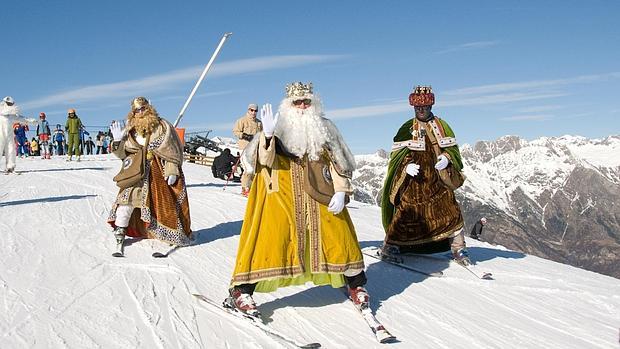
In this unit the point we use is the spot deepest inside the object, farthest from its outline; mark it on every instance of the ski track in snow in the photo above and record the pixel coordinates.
(60, 287)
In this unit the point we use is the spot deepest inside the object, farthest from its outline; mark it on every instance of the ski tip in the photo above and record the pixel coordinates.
(311, 345)
(487, 276)
(390, 339)
(117, 254)
(159, 255)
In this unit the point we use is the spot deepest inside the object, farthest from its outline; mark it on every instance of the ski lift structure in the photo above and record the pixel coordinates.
(196, 139)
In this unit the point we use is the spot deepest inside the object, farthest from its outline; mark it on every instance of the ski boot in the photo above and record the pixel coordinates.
(390, 253)
(242, 302)
(70, 158)
(360, 298)
(78, 159)
(461, 256)
(119, 234)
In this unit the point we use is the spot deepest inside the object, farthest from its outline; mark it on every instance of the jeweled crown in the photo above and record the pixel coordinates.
(422, 96)
(298, 89)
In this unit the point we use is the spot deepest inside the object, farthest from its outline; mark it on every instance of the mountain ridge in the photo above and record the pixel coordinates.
(554, 197)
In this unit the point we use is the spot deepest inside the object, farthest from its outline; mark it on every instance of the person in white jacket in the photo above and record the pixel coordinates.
(9, 114)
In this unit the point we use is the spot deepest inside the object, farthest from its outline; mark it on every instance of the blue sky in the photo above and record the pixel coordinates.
(527, 68)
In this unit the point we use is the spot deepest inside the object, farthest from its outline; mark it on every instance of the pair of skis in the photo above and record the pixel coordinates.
(120, 251)
(381, 334)
(399, 261)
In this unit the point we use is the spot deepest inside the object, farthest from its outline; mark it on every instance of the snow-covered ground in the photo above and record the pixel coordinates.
(60, 288)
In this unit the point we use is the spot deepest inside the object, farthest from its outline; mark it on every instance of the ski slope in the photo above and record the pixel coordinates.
(60, 288)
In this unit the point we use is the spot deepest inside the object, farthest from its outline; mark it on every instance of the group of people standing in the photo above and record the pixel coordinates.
(70, 141)
(297, 178)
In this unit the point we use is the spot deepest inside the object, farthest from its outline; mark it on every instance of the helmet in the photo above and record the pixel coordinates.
(71, 110)
(8, 100)
(42, 115)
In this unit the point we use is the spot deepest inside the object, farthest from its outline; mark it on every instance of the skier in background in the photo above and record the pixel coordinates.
(9, 114)
(89, 146)
(59, 140)
(21, 138)
(476, 231)
(43, 132)
(73, 127)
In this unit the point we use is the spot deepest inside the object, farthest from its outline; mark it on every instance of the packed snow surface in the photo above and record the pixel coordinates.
(60, 287)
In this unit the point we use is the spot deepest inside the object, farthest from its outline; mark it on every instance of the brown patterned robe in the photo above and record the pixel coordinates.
(425, 210)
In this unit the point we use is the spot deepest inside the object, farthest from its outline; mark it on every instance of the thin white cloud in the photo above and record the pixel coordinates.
(542, 108)
(528, 117)
(469, 46)
(534, 84)
(389, 108)
(486, 95)
(224, 126)
(364, 111)
(499, 98)
(161, 82)
(197, 96)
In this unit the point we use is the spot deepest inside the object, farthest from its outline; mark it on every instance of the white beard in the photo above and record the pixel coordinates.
(302, 131)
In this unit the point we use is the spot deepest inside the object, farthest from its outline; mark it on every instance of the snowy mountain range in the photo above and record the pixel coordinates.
(557, 198)
(60, 287)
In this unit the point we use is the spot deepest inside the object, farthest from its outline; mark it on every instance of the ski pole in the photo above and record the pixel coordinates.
(202, 76)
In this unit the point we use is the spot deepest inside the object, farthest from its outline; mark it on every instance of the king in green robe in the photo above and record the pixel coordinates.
(419, 211)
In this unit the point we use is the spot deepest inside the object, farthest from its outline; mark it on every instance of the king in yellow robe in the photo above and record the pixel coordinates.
(288, 237)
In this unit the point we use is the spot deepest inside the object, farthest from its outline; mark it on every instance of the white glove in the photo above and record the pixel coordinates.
(442, 162)
(336, 204)
(268, 119)
(117, 130)
(412, 169)
(171, 179)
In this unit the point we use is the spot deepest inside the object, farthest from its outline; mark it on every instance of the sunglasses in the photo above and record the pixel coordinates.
(306, 101)
(253, 110)
(140, 110)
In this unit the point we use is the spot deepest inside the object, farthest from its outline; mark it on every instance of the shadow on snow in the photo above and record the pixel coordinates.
(48, 199)
(220, 231)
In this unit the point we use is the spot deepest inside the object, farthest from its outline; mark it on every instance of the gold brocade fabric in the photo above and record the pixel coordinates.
(288, 238)
(425, 210)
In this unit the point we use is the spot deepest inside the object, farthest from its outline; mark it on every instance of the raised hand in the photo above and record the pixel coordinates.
(117, 129)
(268, 119)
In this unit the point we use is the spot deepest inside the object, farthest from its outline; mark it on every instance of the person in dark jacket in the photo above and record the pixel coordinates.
(21, 139)
(223, 165)
(59, 140)
(89, 146)
(476, 231)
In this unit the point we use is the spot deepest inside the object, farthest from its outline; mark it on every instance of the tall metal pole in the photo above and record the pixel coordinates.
(202, 76)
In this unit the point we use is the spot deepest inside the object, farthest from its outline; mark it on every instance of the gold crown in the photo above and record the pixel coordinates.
(423, 89)
(139, 102)
(298, 89)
